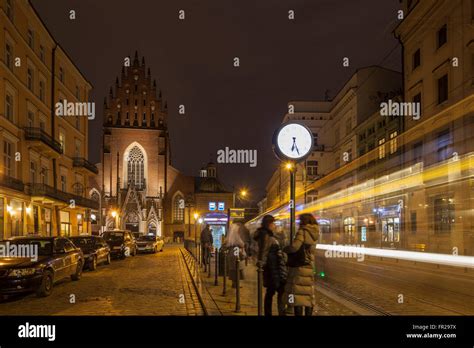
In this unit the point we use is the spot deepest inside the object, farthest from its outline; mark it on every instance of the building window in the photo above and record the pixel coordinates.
(349, 227)
(78, 123)
(144, 119)
(348, 126)
(418, 151)
(32, 172)
(178, 209)
(136, 167)
(62, 141)
(63, 183)
(61, 74)
(472, 9)
(8, 55)
(311, 168)
(77, 93)
(443, 89)
(413, 222)
(443, 214)
(41, 90)
(10, 9)
(382, 148)
(442, 36)
(31, 119)
(41, 49)
(417, 99)
(416, 59)
(443, 143)
(42, 124)
(393, 142)
(44, 176)
(7, 158)
(31, 38)
(9, 107)
(77, 148)
(144, 102)
(30, 79)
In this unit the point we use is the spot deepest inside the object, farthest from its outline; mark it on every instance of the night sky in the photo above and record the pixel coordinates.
(192, 60)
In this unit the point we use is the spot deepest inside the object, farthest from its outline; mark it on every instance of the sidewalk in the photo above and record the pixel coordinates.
(212, 295)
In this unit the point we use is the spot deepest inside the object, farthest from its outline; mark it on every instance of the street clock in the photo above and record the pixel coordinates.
(292, 142)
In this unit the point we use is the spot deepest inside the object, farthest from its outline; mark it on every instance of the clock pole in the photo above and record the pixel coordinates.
(292, 201)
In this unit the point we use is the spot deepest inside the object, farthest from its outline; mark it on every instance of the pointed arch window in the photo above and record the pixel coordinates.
(136, 167)
(178, 209)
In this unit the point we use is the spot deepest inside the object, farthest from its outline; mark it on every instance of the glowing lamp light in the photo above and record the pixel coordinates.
(79, 216)
(114, 213)
(243, 193)
(289, 165)
(9, 209)
(196, 215)
(93, 217)
(200, 220)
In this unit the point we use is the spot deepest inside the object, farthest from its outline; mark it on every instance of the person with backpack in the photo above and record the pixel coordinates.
(299, 285)
(271, 257)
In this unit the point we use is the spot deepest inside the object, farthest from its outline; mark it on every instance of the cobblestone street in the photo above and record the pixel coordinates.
(147, 284)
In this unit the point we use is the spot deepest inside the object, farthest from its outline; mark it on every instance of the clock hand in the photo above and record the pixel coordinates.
(294, 147)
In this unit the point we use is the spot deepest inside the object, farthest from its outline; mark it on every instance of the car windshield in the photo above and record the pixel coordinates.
(45, 246)
(84, 242)
(113, 236)
(147, 238)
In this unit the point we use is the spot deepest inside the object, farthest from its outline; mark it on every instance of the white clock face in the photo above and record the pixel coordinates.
(294, 141)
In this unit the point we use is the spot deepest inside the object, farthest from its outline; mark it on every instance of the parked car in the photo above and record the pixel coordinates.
(95, 250)
(150, 243)
(56, 258)
(121, 243)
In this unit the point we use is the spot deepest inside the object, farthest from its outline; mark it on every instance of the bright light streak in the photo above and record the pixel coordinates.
(441, 259)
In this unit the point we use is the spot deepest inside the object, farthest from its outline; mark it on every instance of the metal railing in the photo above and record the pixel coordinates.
(82, 162)
(34, 133)
(12, 183)
(48, 191)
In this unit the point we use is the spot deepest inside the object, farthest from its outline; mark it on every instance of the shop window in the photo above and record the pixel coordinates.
(444, 217)
(391, 230)
(413, 222)
(349, 226)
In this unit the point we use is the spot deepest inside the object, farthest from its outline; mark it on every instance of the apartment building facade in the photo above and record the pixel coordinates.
(44, 167)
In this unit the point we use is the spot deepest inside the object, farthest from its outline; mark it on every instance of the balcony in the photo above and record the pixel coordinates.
(11, 183)
(43, 142)
(48, 194)
(82, 163)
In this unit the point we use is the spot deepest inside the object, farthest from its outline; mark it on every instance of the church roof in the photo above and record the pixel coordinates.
(208, 185)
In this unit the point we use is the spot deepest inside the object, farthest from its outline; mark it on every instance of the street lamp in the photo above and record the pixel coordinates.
(115, 216)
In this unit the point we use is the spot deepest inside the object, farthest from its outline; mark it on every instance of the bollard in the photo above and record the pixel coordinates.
(224, 280)
(209, 262)
(259, 287)
(237, 284)
(199, 253)
(216, 270)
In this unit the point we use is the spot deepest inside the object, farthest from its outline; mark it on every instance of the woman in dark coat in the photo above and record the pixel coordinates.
(300, 283)
(270, 256)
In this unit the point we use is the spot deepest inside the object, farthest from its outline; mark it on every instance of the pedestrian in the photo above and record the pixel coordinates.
(244, 234)
(236, 251)
(206, 244)
(271, 258)
(300, 283)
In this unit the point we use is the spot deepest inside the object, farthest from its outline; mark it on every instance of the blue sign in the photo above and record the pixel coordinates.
(212, 206)
(363, 234)
(221, 206)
